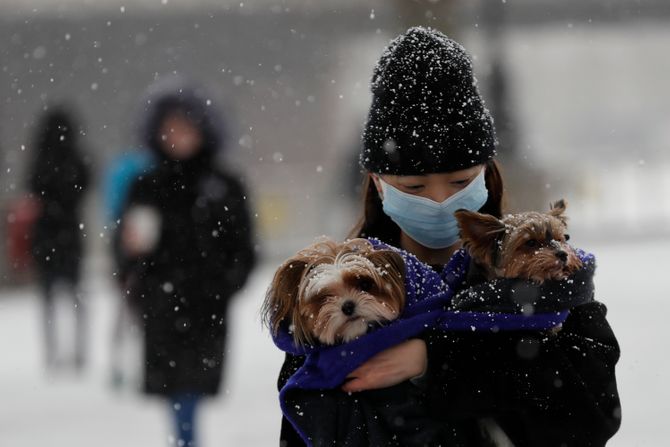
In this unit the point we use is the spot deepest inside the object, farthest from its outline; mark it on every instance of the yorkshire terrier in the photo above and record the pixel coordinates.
(529, 245)
(335, 292)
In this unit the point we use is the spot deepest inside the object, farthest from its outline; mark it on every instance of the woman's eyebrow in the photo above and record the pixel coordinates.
(411, 181)
(411, 178)
(469, 176)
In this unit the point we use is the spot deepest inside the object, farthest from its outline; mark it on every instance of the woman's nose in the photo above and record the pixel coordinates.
(439, 195)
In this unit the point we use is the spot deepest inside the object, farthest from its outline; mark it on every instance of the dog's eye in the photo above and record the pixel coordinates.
(365, 284)
(567, 237)
(531, 243)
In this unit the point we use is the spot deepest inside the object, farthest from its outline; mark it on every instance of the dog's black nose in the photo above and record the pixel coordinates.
(562, 255)
(348, 308)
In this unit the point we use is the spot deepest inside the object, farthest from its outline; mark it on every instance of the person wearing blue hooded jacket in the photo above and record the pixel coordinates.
(184, 248)
(429, 148)
(118, 178)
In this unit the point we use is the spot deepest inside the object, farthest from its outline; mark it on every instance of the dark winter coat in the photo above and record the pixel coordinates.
(58, 178)
(203, 256)
(541, 388)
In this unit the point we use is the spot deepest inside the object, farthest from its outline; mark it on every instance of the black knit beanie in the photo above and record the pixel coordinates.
(426, 115)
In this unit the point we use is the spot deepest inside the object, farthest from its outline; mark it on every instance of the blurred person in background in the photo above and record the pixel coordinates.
(58, 179)
(184, 249)
(124, 170)
(429, 139)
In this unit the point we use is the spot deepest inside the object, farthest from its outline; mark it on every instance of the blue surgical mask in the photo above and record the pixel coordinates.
(431, 223)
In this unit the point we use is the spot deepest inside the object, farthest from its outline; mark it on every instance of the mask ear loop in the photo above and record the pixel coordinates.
(378, 187)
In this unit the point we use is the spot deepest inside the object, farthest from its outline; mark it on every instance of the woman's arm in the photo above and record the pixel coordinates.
(227, 239)
(548, 389)
(543, 389)
(126, 256)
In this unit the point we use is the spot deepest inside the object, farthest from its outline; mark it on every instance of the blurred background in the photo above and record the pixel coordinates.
(578, 88)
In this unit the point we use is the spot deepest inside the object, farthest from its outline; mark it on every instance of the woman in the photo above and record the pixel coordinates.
(58, 180)
(428, 142)
(185, 247)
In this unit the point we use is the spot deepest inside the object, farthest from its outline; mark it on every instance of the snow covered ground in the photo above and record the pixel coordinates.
(37, 409)
(64, 410)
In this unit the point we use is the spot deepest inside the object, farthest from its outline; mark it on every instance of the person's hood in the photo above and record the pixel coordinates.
(175, 94)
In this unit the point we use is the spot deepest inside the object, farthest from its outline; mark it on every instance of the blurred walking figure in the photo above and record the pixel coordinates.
(185, 248)
(125, 350)
(58, 179)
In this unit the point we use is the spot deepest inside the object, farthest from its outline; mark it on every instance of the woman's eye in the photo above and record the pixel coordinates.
(531, 243)
(413, 187)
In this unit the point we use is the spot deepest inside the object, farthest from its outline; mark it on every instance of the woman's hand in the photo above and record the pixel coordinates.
(140, 230)
(390, 367)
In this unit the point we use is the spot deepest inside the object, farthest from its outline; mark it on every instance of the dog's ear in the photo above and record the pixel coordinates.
(392, 263)
(557, 210)
(480, 234)
(281, 298)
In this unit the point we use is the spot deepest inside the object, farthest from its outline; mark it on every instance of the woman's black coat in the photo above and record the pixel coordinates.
(555, 388)
(183, 287)
(203, 256)
(58, 179)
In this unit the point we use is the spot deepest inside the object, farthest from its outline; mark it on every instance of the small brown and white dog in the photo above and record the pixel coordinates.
(334, 292)
(529, 245)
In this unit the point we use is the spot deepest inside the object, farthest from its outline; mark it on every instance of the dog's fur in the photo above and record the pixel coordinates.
(529, 245)
(334, 292)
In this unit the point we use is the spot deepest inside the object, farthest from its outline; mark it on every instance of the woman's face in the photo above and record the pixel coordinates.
(436, 187)
(180, 138)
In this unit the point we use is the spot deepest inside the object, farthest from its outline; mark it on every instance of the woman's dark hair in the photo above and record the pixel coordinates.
(375, 223)
(56, 131)
(55, 141)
